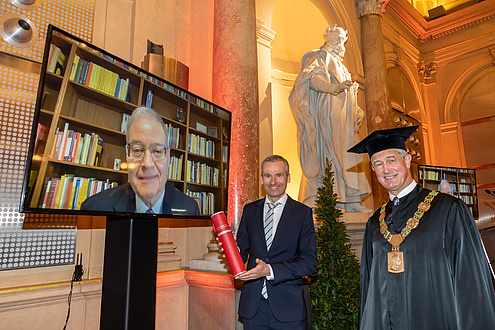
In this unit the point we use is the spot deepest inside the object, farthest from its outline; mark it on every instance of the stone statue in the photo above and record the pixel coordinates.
(324, 104)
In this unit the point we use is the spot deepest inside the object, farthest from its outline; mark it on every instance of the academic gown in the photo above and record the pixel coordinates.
(446, 283)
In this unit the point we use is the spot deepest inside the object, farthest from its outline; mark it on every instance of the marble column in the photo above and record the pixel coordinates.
(378, 112)
(235, 87)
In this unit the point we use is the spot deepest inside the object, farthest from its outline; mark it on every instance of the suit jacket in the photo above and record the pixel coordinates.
(123, 199)
(291, 256)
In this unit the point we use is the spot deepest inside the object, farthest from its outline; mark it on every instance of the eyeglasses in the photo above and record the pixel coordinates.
(136, 151)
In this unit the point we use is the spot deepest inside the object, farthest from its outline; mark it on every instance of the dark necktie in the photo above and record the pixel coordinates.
(269, 224)
(395, 211)
(149, 211)
(268, 237)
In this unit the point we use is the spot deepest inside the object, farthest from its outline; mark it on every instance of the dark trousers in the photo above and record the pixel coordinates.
(264, 320)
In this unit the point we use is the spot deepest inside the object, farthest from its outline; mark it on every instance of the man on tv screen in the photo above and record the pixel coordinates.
(148, 157)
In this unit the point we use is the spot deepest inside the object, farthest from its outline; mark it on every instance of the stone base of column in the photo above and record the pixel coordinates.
(212, 261)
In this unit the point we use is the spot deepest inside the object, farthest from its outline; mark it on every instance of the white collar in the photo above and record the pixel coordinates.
(404, 191)
(282, 200)
(141, 207)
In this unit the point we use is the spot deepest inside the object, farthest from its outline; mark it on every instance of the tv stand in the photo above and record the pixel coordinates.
(129, 273)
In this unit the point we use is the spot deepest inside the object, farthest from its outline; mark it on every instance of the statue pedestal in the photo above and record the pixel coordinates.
(212, 261)
(356, 224)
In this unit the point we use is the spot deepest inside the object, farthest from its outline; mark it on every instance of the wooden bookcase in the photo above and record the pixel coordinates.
(462, 181)
(89, 110)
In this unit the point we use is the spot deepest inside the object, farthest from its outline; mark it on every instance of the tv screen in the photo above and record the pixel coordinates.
(85, 158)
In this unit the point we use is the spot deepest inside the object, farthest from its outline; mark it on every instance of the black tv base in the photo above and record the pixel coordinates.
(129, 273)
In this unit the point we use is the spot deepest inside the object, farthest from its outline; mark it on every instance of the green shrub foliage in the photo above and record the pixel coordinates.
(334, 287)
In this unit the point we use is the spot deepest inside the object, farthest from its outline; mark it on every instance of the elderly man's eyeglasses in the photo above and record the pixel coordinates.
(137, 151)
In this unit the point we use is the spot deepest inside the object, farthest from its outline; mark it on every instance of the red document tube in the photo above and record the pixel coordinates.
(222, 229)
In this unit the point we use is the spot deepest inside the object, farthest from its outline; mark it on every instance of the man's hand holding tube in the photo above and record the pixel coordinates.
(261, 270)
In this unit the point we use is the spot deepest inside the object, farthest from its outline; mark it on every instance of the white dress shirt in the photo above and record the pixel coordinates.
(277, 213)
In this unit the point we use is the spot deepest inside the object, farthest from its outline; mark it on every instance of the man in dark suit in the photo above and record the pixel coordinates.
(276, 237)
(148, 157)
(122, 199)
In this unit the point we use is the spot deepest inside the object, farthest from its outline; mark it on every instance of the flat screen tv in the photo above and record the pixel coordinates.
(78, 146)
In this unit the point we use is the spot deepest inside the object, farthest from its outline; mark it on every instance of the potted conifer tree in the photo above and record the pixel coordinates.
(334, 288)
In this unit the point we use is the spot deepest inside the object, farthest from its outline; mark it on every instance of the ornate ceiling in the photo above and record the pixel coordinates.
(450, 6)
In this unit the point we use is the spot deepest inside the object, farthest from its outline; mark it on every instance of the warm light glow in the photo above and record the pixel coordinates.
(285, 136)
(123, 166)
(450, 5)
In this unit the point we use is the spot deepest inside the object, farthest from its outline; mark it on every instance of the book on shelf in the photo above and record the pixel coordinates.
(201, 146)
(41, 137)
(52, 51)
(51, 189)
(74, 67)
(69, 192)
(69, 145)
(78, 148)
(78, 70)
(74, 147)
(225, 153)
(84, 72)
(82, 193)
(94, 77)
(173, 136)
(99, 148)
(175, 168)
(117, 88)
(96, 140)
(149, 98)
(128, 92)
(59, 146)
(80, 157)
(201, 173)
(56, 61)
(75, 192)
(205, 199)
(62, 188)
(44, 192)
(99, 78)
(90, 70)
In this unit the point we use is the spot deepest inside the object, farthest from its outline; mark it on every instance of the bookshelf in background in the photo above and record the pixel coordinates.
(462, 181)
(87, 97)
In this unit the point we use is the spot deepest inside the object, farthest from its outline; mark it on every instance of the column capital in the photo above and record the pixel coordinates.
(492, 53)
(370, 7)
(399, 53)
(427, 72)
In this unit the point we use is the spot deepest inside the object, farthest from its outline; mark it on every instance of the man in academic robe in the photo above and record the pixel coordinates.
(148, 156)
(423, 264)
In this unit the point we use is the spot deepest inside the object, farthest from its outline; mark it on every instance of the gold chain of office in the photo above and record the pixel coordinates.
(396, 257)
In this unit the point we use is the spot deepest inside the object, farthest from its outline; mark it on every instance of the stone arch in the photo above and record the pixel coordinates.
(410, 76)
(460, 87)
(330, 11)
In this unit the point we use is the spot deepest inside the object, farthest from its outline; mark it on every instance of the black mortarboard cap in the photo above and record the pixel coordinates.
(393, 138)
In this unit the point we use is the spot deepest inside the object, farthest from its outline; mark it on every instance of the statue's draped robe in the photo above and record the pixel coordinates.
(446, 283)
(325, 130)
